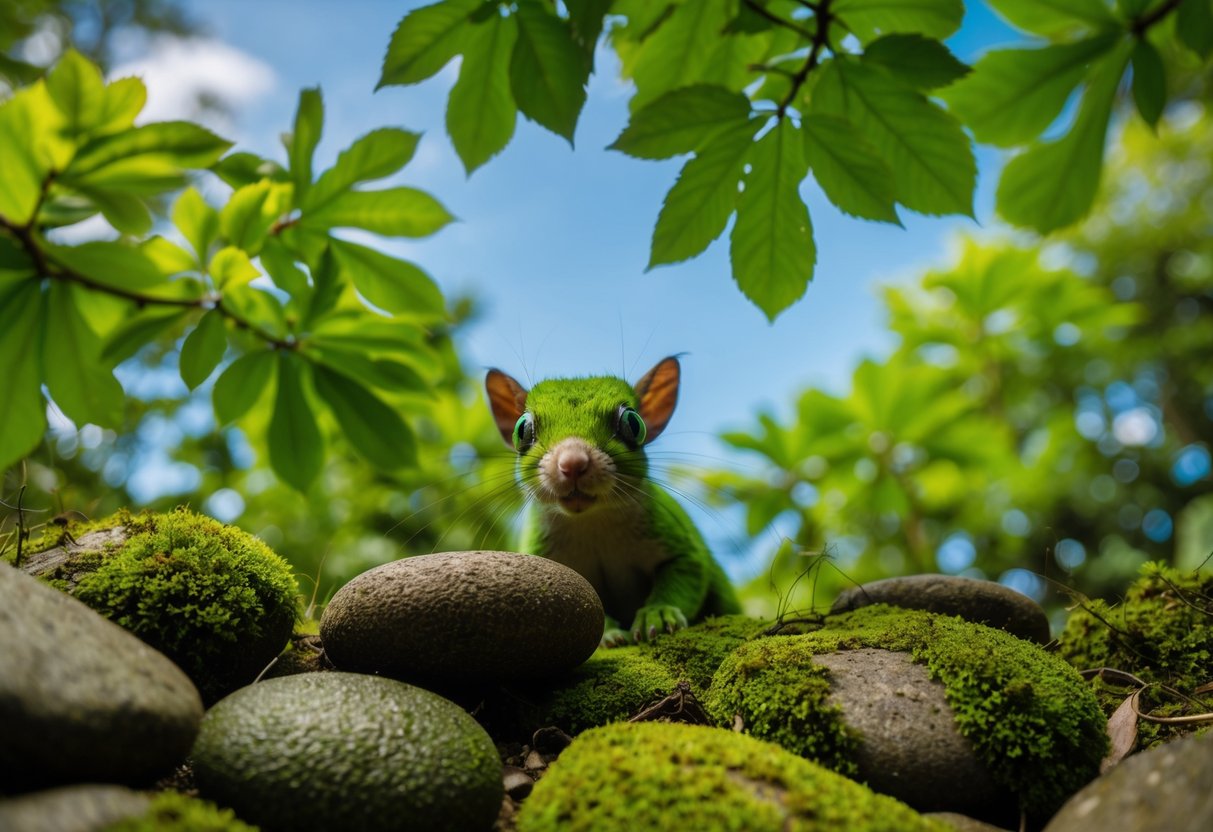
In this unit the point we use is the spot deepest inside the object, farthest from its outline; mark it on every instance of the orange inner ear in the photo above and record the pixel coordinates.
(658, 393)
(507, 400)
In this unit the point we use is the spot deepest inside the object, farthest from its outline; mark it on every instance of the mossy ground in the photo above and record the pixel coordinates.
(1030, 717)
(643, 776)
(694, 654)
(174, 812)
(1162, 633)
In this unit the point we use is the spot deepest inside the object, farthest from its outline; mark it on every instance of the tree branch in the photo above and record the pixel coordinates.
(820, 38)
(1143, 23)
(762, 11)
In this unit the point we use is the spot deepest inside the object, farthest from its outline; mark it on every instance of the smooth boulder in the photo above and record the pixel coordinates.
(463, 618)
(81, 699)
(88, 808)
(321, 751)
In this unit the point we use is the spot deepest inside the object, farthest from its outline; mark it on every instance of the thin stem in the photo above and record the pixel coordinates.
(762, 11)
(1141, 24)
(820, 39)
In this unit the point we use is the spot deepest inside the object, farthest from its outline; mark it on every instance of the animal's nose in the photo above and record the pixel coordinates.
(573, 462)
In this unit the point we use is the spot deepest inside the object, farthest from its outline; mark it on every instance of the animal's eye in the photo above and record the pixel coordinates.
(630, 427)
(524, 432)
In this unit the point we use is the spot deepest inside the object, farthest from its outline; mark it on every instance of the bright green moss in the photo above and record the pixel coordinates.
(173, 812)
(1030, 717)
(642, 776)
(694, 654)
(214, 599)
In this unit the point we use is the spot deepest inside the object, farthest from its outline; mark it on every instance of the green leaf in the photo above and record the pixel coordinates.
(1053, 183)
(1014, 94)
(328, 285)
(679, 52)
(1194, 25)
(380, 373)
(373, 428)
(122, 102)
(231, 267)
(255, 307)
(699, 205)
(181, 143)
(242, 221)
(76, 87)
(586, 18)
(23, 167)
(136, 331)
(681, 121)
(241, 384)
(125, 212)
(869, 19)
(23, 415)
(279, 264)
(309, 121)
(367, 333)
(147, 174)
(241, 169)
(84, 389)
(203, 349)
(197, 221)
(934, 171)
(848, 168)
(114, 265)
(1051, 18)
(548, 72)
(772, 248)
(921, 62)
(481, 113)
(1149, 82)
(396, 286)
(378, 154)
(296, 446)
(168, 257)
(425, 41)
(392, 212)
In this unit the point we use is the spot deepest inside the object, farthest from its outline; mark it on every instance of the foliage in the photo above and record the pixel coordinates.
(170, 811)
(761, 93)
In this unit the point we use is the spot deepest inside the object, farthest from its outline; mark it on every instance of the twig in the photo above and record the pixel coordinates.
(820, 39)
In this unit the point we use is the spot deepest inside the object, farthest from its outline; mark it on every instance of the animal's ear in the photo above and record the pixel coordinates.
(658, 393)
(507, 400)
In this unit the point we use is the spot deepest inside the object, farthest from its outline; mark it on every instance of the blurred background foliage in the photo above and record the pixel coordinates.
(1045, 420)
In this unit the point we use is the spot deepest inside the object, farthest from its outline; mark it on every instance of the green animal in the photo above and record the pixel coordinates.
(582, 465)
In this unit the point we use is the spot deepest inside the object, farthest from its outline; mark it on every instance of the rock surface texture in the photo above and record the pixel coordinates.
(81, 699)
(463, 618)
(982, 602)
(71, 809)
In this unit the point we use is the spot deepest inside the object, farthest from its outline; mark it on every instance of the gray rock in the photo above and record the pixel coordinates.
(1165, 788)
(964, 823)
(982, 602)
(81, 699)
(459, 618)
(325, 751)
(910, 746)
(72, 809)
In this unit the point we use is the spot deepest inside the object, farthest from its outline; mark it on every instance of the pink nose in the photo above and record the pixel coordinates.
(573, 462)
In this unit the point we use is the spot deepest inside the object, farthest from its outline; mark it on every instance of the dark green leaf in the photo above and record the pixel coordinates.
(242, 221)
(681, 121)
(309, 122)
(139, 329)
(1149, 82)
(848, 168)
(381, 373)
(481, 113)
(76, 87)
(241, 384)
(125, 212)
(919, 61)
(869, 19)
(373, 428)
(378, 154)
(699, 205)
(1194, 25)
(1014, 94)
(548, 72)
(84, 389)
(396, 286)
(586, 17)
(1055, 17)
(328, 285)
(181, 143)
(425, 41)
(296, 446)
(23, 415)
(197, 221)
(1054, 183)
(279, 264)
(203, 349)
(392, 212)
(772, 248)
(934, 171)
(109, 264)
(241, 169)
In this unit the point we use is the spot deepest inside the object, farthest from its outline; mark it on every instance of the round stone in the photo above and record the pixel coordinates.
(72, 809)
(460, 618)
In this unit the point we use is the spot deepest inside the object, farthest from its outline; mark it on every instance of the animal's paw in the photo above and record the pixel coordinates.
(612, 636)
(657, 618)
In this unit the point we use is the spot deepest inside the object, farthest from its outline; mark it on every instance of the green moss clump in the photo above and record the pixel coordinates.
(668, 776)
(174, 812)
(214, 599)
(694, 654)
(1030, 717)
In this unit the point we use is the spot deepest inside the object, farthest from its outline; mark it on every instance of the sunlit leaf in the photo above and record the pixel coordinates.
(381, 373)
(182, 143)
(295, 443)
(23, 167)
(23, 416)
(197, 221)
(919, 61)
(169, 258)
(1055, 17)
(848, 168)
(378, 154)
(83, 388)
(772, 249)
(373, 428)
(242, 221)
(241, 384)
(137, 331)
(677, 54)
(256, 308)
(869, 19)
(394, 285)
(241, 169)
(366, 333)
(547, 70)
(108, 264)
(425, 41)
(309, 122)
(279, 264)
(392, 212)
(481, 114)
(76, 86)
(231, 267)
(203, 349)
(123, 100)
(125, 212)
(681, 121)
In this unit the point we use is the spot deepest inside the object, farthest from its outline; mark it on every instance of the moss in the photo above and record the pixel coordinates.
(214, 599)
(173, 812)
(1029, 716)
(694, 654)
(667, 776)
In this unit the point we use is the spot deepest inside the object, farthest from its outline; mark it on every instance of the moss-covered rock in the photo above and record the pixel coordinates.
(662, 776)
(174, 812)
(693, 654)
(215, 599)
(1032, 720)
